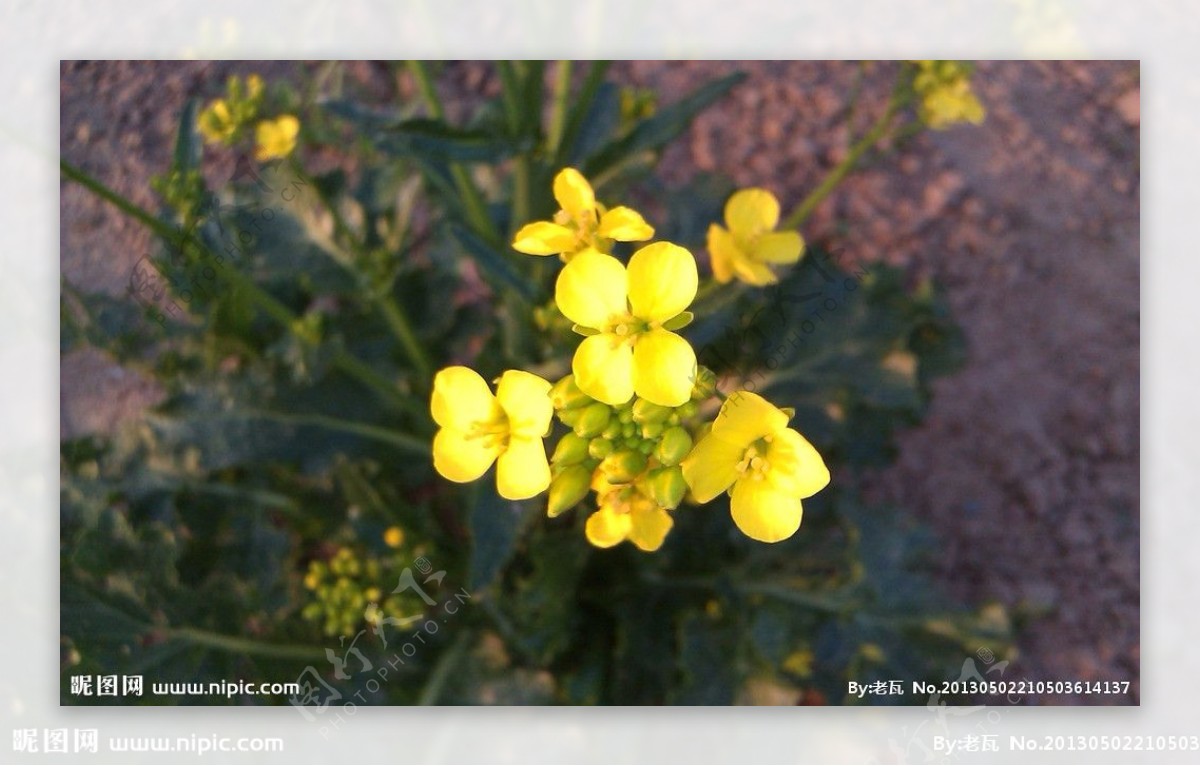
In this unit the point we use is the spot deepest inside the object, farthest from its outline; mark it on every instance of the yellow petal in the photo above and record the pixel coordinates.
(796, 466)
(624, 225)
(664, 368)
(526, 400)
(746, 417)
(606, 528)
(779, 247)
(750, 212)
(461, 399)
(711, 467)
(591, 289)
(574, 194)
(460, 458)
(649, 527)
(754, 272)
(603, 367)
(662, 281)
(276, 138)
(764, 513)
(544, 238)
(722, 252)
(522, 470)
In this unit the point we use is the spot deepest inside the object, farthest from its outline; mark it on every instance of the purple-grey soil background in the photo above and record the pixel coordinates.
(1027, 466)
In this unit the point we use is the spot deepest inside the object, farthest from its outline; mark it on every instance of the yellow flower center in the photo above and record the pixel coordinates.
(493, 433)
(754, 464)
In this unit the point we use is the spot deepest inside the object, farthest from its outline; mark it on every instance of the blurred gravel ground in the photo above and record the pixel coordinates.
(1028, 464)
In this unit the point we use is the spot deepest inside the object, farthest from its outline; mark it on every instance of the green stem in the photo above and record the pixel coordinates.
(397, 321)
(558, 114)
(442, 671)
(403, 441)
(245, 646)
(476, 208)
(401, 327)
(425, 87)
(839, 173)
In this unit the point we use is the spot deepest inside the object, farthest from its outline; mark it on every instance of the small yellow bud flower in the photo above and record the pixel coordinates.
(567, 489)
(275, 139)
(216, 123)
(626, 513)
(630, 351)
(747, 248)
(393, 537)
(767, 467)
(478, 429)
(582, 223)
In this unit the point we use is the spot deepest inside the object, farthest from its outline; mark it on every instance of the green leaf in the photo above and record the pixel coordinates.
(655, 132)
(496, 525)
(424, 136)
(582, 114)
(187, 143)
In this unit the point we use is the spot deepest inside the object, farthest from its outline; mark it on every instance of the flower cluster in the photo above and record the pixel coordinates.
(944, 88)
(635, 400)
(351, 587)
(226, 120)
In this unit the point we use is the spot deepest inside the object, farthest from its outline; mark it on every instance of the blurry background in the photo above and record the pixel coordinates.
(1026, 466)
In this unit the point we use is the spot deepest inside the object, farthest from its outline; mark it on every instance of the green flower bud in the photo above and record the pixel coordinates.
(565, 395)
(594, 419)
(647, 412)
(570, 417)
(667, 487)
(632, 442)
(652, 430)
(600, 448)
(646, 447)
(687, 410)
(567, 489)
(625, 415)
(614, 429)
(571, 449)
(674, 445)
(705, 384)
(624, 465)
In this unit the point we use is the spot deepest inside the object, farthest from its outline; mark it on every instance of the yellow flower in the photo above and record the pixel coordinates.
(216, 123)
(275, 139)
(767, 467)
(751, 242)
(478, 429)
(393, 537)
(623, 311)
(582, 222)
(626, 512)
(946, 96)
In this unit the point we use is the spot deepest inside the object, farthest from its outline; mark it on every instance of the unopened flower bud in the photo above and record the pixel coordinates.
(567, 489)
(571, 449)
(652, 430)
(565, 395)
(667, 487)
(648, 412)
(674, 446)
(593, 420)
(705, 384)
(687, 410)
(624, 465)
(600, 448)
(613, 430)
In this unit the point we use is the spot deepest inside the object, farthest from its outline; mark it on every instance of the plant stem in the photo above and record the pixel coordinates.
(403, 441)
(839, 173)
(558, 114)
(443, 669)
(476, 209)
(397, 321)
(236, 645)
